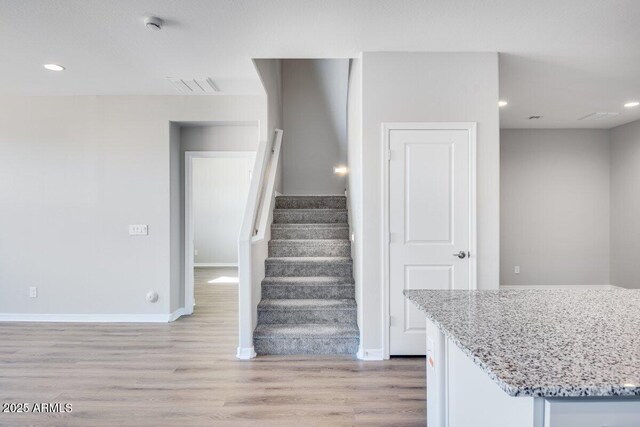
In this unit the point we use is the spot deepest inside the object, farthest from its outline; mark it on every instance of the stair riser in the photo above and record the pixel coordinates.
(306, 345)
(307, 292)
(306, 316)
(310, 233)
(308, 270)
(309, 250)
(309, 217)
(311, 202)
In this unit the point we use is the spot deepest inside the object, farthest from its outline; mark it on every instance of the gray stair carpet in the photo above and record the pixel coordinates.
(308, 294)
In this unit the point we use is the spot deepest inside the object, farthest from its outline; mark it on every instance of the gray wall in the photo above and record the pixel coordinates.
(625, 205)
(427, 87)
(74, 173)
(314, 114)
(554, 214)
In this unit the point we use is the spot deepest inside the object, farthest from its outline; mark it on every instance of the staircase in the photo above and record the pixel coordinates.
(308, 295)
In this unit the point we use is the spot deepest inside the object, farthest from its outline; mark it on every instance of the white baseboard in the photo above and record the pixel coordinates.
(245, 353)
(370, 354)
(92, 318)
(610, 287)
(214, 264)
(177, 314)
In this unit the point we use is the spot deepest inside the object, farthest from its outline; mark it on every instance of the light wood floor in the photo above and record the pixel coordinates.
(185, 374)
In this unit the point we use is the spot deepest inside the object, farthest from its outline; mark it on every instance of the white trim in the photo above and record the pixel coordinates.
(245, 353)
(371, 354)
(189, 299)
(521, 287)
(177, 314)
(92, 318)
(473, 231)
(215, 264)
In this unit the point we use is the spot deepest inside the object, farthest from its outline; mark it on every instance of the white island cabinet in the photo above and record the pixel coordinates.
(532, 358)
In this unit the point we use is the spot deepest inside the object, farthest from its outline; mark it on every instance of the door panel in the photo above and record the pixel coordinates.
(439, 276)
(429, 221)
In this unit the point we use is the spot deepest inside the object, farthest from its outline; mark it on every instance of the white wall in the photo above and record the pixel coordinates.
(625, 205)
(74, 173)
(427, 87)
(354, 178)
(270, 72)
(314, 99)
(220, 186)
(555, 207)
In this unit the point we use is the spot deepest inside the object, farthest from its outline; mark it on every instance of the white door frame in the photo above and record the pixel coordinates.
(473, 267)
(189, 299)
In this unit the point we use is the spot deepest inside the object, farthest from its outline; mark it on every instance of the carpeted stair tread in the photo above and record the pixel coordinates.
(308, 330)
(309, 210)
(311, 202)
(325, 242)
(316, 225)
(312, 287)
(310, 216)
(309, 281)
(306, 304)
(312, 259)
(309, 248)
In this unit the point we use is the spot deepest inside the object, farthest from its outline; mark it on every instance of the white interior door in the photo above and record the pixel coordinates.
(430, 224)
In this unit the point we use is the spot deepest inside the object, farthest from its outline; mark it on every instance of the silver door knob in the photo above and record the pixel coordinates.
(461, 254)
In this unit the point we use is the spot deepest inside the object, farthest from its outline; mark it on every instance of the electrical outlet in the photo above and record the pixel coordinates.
(516, 269)
(139, 230)
(33, 292)
(195, 252)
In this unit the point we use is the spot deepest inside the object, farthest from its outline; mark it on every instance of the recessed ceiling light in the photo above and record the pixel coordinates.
(502, 103)
(53, 67)
(632, 104)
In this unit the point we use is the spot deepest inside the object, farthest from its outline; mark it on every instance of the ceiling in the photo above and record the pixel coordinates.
(559, 59)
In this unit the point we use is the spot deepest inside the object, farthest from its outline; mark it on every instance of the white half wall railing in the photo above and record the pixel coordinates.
(254, 239)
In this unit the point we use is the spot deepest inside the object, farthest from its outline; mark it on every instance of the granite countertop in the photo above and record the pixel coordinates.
(547, 343)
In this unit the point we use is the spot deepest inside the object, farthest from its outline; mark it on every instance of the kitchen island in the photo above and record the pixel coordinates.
(534, 358)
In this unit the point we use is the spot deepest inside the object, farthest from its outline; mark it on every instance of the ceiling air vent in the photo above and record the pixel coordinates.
(194, 86)
(599, 116)
(534, 117)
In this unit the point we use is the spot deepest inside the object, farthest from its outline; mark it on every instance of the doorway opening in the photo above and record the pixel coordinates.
(211, 166)
(216, 191)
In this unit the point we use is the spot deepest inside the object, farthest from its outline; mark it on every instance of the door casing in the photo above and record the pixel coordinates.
(473, 267)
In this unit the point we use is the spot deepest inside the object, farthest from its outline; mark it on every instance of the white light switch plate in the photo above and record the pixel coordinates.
(139, 230)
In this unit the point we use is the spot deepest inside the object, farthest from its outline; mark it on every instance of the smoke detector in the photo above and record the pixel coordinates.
(153, 23)
(194, 86)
